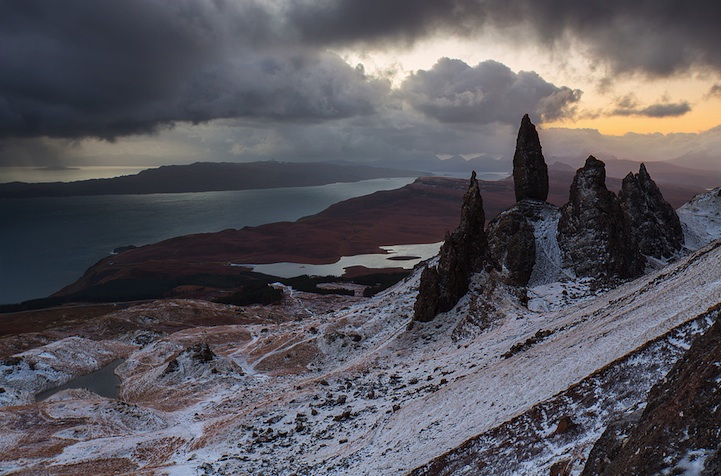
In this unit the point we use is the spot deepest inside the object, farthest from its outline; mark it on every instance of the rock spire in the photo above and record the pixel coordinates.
(593, 234)
(511, 235)
(652, 220)
(463, 253)
(530, 173)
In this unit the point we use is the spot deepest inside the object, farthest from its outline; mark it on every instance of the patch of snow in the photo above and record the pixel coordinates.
(54, 364)
(558, 295)
(701, 219)
(547, 268)
(692, 464)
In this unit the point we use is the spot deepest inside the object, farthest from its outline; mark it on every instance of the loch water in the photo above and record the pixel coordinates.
(47, 243)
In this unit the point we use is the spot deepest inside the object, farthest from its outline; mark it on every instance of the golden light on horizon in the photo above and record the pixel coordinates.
(597, 108)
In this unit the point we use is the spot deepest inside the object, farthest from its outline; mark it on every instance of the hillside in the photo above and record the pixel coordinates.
(206, 177)
(420, 212)
(304, 388)
(561, 341)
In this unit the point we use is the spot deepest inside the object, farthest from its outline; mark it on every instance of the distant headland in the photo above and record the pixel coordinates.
(207, 177)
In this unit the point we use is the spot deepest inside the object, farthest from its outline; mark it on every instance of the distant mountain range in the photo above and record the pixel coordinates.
(222, 176)
(206, 177)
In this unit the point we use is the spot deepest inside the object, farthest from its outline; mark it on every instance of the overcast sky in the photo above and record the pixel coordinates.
(153, 82)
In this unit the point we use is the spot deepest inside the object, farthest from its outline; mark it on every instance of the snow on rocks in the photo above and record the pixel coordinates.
(410, 395)
(547, 268)
(701, 219)
(360, 391)
(28, 373)
(561, 431)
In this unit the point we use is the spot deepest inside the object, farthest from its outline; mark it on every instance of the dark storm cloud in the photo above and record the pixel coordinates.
(452, 91)
(628, 106)
(301, 86)
(343, 21)
(657, 37)
(107, 68)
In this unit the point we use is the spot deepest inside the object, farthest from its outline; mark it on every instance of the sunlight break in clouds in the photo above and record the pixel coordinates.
(343, 79)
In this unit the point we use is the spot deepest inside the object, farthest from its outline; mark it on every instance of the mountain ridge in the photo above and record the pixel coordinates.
(207, 177)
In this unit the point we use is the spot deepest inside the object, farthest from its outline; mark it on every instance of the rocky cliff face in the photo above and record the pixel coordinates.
(463, 253)
(653, 222)
(593, 234)
(512, 243)
(678, 430)
(530, 173)
(598, 235)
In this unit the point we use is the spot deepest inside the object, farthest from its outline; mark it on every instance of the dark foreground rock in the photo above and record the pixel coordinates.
(678, 431)
(593, 234)
(522, 243)
(530, 173)
(652, 220)
(512, 243)
(463, 253)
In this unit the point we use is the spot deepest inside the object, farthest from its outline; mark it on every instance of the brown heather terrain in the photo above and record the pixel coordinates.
(339, 384)
(197, 265)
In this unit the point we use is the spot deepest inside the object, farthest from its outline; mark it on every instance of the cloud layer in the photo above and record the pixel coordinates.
(106, 69)
(628, 106)
(655, 37)
(453, 91)
(109, 69)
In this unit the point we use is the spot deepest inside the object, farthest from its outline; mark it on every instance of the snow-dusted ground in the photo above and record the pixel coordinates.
(355, 391)
(51, 365)
(701, 219)
(300, 389)
(547, 268)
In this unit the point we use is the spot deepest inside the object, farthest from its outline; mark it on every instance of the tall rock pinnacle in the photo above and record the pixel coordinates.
(530, 173)
(653, 221)
(463, 253)
(593, 234)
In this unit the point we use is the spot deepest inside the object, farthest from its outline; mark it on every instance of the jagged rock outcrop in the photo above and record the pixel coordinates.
(678, 430)
(522, 241)
(197, 354)
(652, 221)
(464, 252)
(201, 353)
(512, 243)
(593, 234)
(530, 173)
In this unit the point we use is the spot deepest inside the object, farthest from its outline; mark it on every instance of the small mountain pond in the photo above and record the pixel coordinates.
(103, 381)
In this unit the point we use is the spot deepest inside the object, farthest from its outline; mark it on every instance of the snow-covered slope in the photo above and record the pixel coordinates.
(701, 219)
(360, 390)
